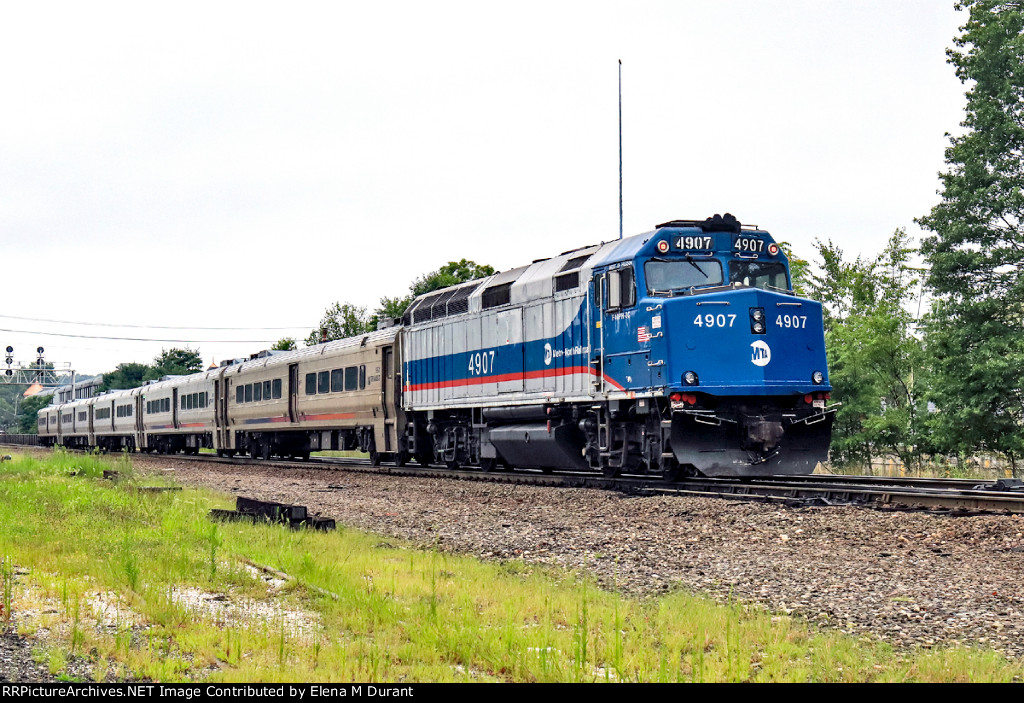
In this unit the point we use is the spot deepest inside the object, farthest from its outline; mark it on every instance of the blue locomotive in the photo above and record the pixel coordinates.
(678, 351)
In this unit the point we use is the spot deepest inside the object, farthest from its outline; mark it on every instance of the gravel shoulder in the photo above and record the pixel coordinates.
(911, 578)
(16, 663)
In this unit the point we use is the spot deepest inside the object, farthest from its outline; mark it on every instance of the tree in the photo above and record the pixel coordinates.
(175, 362)
(28, 413)
(799, 270)
(874, 359)
(389, 307)
(451, 274)
(284, 344)
(975, 332)
(340, 320)
(125, 376)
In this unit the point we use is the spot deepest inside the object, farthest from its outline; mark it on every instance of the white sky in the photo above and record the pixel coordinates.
(247, 164)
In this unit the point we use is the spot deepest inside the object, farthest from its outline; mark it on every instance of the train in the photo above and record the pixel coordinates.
(680, 351)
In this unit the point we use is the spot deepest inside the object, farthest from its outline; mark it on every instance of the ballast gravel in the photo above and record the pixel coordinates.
(910, 578)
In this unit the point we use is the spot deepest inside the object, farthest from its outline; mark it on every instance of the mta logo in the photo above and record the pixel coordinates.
(761, 354)
(547, 354)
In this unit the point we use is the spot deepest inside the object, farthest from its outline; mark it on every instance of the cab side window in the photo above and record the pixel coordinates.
(619, 289)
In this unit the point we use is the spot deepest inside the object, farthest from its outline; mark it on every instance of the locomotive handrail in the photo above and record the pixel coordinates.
(702, 416)
(815, 419)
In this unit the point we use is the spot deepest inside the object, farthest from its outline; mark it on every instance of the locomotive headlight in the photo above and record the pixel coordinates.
(757, 321)
(818, 377)
(773, 249)
(663, 246)
(690, 378)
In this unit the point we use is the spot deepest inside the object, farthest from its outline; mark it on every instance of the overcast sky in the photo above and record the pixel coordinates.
(230, 165)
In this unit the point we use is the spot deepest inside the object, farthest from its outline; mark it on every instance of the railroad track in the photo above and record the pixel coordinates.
(959, 495)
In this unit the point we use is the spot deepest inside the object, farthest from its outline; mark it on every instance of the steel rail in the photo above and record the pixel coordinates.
(970, 495)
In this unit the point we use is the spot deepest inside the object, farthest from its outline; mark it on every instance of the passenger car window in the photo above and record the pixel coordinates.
(337, 380)
(257, 392)
(351, 378)
(240, 394)
(362, 377)
(323, 382)
(310, 384)
(277, 388)
(266, 390)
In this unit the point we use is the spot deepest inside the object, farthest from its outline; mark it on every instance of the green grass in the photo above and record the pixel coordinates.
(342, 454)
(359, 607)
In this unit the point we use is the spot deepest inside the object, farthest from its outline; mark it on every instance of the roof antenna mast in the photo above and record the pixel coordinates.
(620, 148)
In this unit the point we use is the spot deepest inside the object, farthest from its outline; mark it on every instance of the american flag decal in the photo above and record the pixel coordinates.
(642, 335)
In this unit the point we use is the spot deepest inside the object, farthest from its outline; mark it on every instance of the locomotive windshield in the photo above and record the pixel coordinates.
(759, 274)
(667, 277)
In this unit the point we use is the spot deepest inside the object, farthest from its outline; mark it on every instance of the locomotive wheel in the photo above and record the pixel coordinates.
(374, 458)
(611, 471)
(401, 458)
(453, 465)
(672, 473)
(265, 450)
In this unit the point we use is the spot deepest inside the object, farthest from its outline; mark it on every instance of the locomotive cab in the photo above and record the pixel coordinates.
(733, 358)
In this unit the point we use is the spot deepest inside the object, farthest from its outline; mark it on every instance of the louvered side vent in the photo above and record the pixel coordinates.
(423, 310)
(460, 301)
(497, 295)
(567, 281)
(439, 308)
(574, 263)
(408, 316)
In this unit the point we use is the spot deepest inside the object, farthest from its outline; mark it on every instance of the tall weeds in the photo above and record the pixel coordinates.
(7, 575)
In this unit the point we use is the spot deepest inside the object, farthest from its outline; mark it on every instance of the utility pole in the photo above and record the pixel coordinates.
(620, 148)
